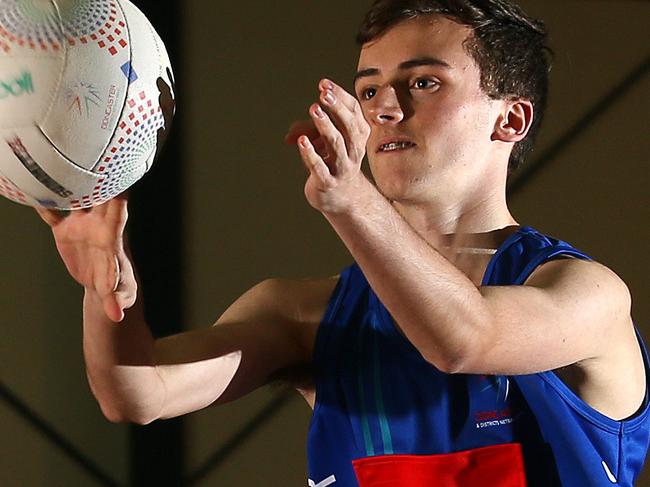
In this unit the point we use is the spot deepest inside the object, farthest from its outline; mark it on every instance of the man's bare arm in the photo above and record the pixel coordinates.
(138, 379)
(569, 312)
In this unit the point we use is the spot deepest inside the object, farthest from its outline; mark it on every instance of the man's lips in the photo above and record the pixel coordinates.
(395, 144)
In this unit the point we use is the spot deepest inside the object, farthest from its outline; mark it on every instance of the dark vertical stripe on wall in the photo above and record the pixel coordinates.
(156, 238)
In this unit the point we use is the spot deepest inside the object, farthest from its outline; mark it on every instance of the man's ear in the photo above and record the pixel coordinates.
(514, 122)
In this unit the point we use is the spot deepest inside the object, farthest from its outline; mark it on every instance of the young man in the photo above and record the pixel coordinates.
(460, 348)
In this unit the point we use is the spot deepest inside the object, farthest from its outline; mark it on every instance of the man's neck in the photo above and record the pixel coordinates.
(466, 233)
(459, 223)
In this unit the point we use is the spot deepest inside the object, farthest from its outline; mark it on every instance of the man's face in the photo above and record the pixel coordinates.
(431, 123)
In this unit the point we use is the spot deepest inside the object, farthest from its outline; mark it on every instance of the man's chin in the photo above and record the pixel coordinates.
(398, 193)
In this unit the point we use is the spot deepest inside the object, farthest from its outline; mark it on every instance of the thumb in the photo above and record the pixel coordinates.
(112, 309)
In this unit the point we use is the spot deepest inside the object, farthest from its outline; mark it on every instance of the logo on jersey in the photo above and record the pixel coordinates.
(323, 483)
(497, 388)
(500, 384)
(486, 419)
(609, 473)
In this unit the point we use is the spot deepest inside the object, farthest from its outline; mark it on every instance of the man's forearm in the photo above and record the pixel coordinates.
(119, 363)
(437, 307)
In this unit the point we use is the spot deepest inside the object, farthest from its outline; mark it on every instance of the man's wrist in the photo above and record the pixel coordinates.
(362, 196)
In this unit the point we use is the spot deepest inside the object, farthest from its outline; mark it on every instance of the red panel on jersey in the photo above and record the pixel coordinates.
(496, 466)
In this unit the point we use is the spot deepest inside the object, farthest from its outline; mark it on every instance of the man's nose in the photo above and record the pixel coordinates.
(385, 107)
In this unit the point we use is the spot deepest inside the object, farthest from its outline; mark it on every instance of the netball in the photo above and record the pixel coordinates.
(81, 88)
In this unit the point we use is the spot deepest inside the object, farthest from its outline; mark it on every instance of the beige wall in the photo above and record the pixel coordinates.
(249, 69)
(41, 362)
(256, 67)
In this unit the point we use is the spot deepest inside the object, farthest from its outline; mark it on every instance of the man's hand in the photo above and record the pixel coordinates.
(334, 157)
(91, 244)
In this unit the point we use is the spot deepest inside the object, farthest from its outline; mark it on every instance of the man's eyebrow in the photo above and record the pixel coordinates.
(411, 63)
(423, 61)
(365, 73)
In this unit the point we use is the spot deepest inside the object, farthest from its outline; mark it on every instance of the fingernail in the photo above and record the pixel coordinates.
(304, 142)
(318, 111)
(329, 98)
(327, 84)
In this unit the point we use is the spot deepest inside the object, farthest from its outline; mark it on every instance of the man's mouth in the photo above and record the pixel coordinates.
(396, 146)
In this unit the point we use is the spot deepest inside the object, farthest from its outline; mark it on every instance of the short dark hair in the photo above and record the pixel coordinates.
(509, 47)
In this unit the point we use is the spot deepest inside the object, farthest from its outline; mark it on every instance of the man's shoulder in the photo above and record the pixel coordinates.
(594, 292)
(572, 274)
(303, 303)
(601, 300)
(298, 303)
(302, 300)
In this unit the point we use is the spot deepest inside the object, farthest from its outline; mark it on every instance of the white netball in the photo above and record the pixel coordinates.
(85, 99)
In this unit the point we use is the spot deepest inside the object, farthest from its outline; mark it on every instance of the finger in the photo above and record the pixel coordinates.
(346, 99)
(112, 308)
(301, 127)
(116, 277)
(308, 129)
(127, 289)
(330, 133)
(125, 293)
(348, 117)
(125, 297)
(106, 278)
(314, 163)
(117, 302)
(321, 148)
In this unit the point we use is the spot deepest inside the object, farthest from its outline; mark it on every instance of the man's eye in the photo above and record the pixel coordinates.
(424, 83)
(368, 93)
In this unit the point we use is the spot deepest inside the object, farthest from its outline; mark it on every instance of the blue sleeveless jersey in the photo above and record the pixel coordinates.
(381, 407)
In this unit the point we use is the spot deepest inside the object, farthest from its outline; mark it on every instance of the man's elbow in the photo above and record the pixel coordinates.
(448, 362)
(452, 365)
(457, 358)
